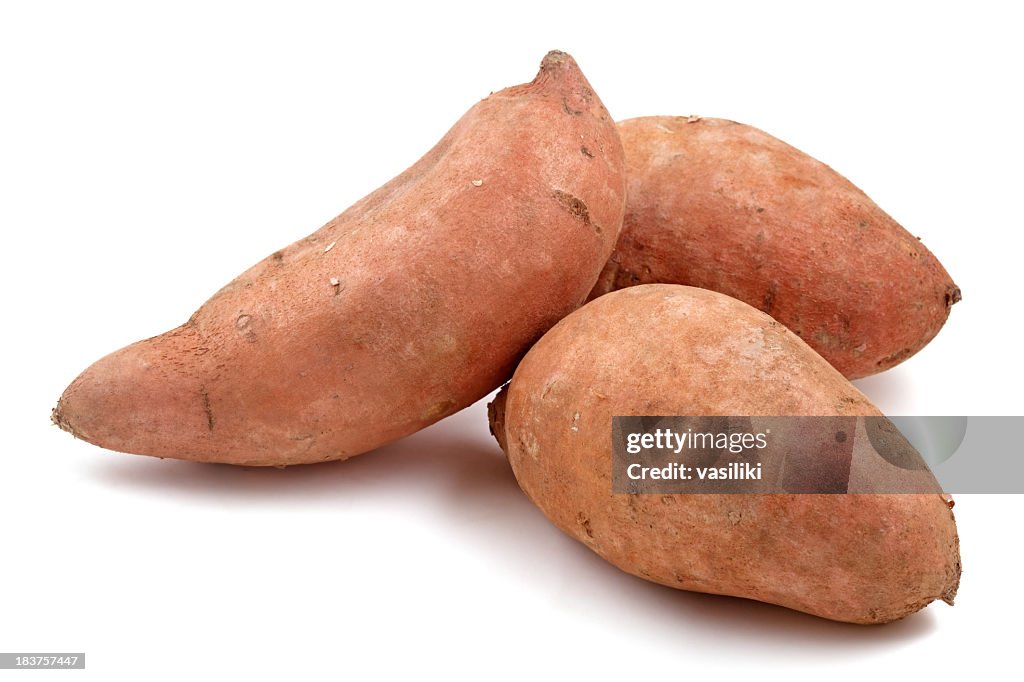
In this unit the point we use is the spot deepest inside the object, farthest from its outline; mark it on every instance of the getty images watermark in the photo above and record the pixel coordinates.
(689, 454)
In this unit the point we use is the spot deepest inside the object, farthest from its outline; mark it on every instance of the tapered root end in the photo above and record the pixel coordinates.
(559, 66)
(135, 401)
(58, 418)
(556, 58)
(953, 295)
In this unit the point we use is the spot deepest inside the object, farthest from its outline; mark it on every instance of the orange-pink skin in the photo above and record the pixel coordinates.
(674, 350)
(412, 304)
(720, 205)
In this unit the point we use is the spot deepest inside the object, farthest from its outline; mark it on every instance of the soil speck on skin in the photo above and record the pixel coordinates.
(584, 521)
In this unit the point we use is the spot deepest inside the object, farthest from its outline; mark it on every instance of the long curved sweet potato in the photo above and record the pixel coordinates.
(412, 304)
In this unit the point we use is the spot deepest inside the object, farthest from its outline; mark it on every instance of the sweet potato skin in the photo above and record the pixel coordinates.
(412, 304)
(723, 206)
(665, 350)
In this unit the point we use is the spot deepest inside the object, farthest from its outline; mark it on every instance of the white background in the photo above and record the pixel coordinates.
(148, 155)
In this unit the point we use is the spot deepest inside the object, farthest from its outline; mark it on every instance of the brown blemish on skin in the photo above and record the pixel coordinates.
(574, 205)
(896, 357)
(207, 410)
(953, 295)
(769, 298)
(586, 152)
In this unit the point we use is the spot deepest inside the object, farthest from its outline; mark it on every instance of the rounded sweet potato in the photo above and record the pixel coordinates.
(412, 304)
(724, 206)
(674, 350)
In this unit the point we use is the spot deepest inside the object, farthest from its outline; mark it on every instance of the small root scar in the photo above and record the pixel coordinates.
(242, 324)
(569, 110)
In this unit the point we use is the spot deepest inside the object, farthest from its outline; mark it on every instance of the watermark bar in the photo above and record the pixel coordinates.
(833, 454)
(36, 661)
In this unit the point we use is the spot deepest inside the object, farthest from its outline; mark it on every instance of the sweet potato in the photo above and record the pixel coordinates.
(674, 350)
(723, 206)
(412, 304)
